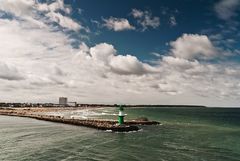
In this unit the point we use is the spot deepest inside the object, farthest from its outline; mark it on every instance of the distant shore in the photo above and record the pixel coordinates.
(52, 105)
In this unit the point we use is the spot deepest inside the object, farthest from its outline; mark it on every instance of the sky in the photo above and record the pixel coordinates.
(125, 52)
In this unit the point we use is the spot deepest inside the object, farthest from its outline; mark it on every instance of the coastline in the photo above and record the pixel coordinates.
(92, 123)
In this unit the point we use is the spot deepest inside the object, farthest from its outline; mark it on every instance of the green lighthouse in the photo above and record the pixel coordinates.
(121, 115)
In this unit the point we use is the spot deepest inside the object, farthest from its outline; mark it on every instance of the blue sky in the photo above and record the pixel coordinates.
(129, 52)
(198, 17)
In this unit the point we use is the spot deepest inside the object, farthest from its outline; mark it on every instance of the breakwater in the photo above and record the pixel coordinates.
(92, 123)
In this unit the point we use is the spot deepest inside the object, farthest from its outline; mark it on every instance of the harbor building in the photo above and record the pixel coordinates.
(63, 101)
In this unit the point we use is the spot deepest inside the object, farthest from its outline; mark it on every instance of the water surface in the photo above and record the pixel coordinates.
(185, 134)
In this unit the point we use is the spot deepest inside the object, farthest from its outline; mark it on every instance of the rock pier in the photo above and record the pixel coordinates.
(92, 123)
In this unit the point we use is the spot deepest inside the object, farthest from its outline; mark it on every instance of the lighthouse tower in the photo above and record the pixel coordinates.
(121, 115)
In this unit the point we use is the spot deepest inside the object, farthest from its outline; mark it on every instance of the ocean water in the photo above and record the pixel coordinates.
(184, 134)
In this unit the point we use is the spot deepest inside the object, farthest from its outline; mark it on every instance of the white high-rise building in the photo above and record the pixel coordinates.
(63, 100)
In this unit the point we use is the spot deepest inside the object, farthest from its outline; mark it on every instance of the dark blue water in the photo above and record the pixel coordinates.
(185, 134)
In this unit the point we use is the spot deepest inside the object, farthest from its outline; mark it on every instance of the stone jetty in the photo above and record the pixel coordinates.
(92, 123)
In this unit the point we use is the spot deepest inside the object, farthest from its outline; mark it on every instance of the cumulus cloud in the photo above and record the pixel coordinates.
(226, 9)
(102, 52)
(9, 72)
(191, 46)
(117, 24)
(18, 7)
(145, 19)
(179, 63)
(44, 65)
(52, 7)
(119, 64)
(127, 65)
(28, 10)
(51, 68)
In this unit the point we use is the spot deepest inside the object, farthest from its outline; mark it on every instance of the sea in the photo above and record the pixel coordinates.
(185, 134)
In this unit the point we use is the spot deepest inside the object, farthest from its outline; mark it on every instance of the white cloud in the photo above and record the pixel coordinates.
(28, 10)
(226, 9)
(172, 21)
(102, 52)
(64, 21)
(156, 54)
(191, 46)
(106, 54)
(137, 13)
(52, 7)
(145, 19)
(179, 63)
(44, 69)
(168, 89)
(18, 7)
(118, 24)
(43, 65)
(83, 47)
(127, 65)
(9, 72)
(38, 43)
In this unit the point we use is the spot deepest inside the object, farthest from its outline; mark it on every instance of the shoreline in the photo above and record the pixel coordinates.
(92, 123)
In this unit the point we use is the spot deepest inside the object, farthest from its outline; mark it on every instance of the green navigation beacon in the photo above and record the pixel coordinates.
(121, 115)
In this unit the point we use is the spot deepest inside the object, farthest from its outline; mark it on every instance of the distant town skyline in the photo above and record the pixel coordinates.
(123, 52)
